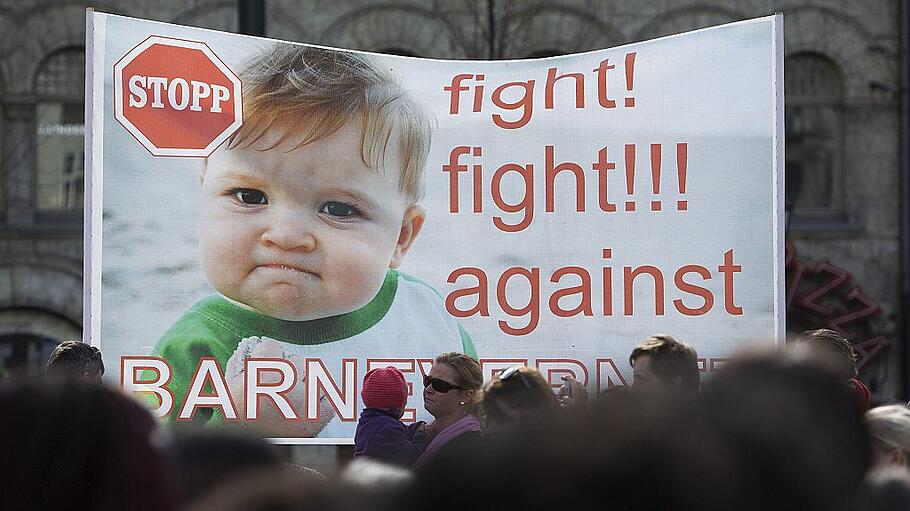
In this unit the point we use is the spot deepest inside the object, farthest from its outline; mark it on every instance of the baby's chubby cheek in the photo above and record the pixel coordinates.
(224, 255)
(354, 285)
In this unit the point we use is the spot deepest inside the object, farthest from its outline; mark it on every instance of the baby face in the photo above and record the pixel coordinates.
(303, 234)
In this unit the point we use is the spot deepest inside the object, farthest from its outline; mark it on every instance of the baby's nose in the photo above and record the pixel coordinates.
(289, 236)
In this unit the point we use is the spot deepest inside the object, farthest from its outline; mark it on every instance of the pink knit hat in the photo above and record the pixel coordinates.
(384, 388)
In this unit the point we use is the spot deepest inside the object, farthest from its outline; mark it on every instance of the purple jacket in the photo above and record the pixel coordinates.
(381, 436)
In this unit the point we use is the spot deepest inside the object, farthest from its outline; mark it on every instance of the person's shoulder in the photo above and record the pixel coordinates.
(380, 418)
(468, 445)
(467, 440)
(375, 424)
(468, 437)
(393, 426)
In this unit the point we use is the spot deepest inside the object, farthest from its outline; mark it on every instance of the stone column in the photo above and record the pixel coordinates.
(18, 161)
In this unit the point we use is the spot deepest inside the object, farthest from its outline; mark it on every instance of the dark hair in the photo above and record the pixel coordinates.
(522, 392)
(835, 344)
(784, 433)
(75, 359)
(198, 461)
(77, 444)
(670, 359)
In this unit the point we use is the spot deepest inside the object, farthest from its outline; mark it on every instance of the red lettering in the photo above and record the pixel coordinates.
(728, 269)
(629, 282)
(602, 91)
(553, 170)
(685, 287)
(584, 289)
(551, 83)
(480, 290)
(525, 205)
(525, 103)
(533, 306)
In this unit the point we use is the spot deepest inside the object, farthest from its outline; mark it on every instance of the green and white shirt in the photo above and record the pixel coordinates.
(406, 320)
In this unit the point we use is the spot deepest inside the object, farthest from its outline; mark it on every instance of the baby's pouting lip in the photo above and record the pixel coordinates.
(286, 269)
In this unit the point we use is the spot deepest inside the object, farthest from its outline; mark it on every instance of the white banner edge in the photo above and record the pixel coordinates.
(780, 294)
(94, 138)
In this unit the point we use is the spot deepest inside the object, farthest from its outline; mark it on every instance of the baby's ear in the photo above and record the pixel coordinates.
(410, 228)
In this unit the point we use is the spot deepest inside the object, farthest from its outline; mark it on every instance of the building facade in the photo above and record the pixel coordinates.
(842, 120)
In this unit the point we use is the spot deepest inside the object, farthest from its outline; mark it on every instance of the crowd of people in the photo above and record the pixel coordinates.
(783, 429)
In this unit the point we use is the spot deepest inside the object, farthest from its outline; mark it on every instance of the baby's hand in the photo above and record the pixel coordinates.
(270, 421)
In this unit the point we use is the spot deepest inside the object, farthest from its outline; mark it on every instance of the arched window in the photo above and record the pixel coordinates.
(24, 353)
(60, 92)
(27, 337)
(814, 131)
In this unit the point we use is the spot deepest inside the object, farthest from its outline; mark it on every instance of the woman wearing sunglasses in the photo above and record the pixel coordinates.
(448, 395)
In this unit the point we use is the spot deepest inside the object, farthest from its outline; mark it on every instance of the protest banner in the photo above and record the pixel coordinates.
(266, 221)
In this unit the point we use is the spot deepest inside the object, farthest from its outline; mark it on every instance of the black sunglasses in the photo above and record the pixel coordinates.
(438, 385)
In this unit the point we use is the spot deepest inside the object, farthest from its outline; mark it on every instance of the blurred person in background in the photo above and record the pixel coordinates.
(376, 485)
(75, 359)
(663, 366)
(889, 429)
(622, 460)
(772, 431)
(75, 445)
(885, 489)
(513, 396)
(777, 430)
(836, 351)
(199, 461)
(278, 490)
(448, 395)
(572, 395)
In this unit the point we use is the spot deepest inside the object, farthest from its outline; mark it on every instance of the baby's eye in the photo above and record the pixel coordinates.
(339, 209)
(250, 196)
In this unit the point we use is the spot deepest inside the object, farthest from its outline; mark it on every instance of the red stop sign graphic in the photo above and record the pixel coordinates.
(176, 97)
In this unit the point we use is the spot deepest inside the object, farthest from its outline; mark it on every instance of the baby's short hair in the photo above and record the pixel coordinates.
(311, 93)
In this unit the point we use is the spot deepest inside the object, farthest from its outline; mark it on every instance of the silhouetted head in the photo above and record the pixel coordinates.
(75, 359)
(780, 431)
(661, 365)
(71, 445)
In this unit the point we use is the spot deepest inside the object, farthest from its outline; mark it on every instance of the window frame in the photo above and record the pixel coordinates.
(65, 219)
(836, 216)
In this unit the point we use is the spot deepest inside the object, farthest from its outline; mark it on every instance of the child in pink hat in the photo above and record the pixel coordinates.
(380, 433)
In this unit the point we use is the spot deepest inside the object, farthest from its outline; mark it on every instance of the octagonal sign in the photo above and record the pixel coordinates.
(176, 97)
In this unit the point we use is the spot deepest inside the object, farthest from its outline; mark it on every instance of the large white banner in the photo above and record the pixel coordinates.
(268, 220)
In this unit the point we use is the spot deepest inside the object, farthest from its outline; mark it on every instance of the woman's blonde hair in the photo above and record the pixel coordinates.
(468, 370)
(308, 94)
(889, 427)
